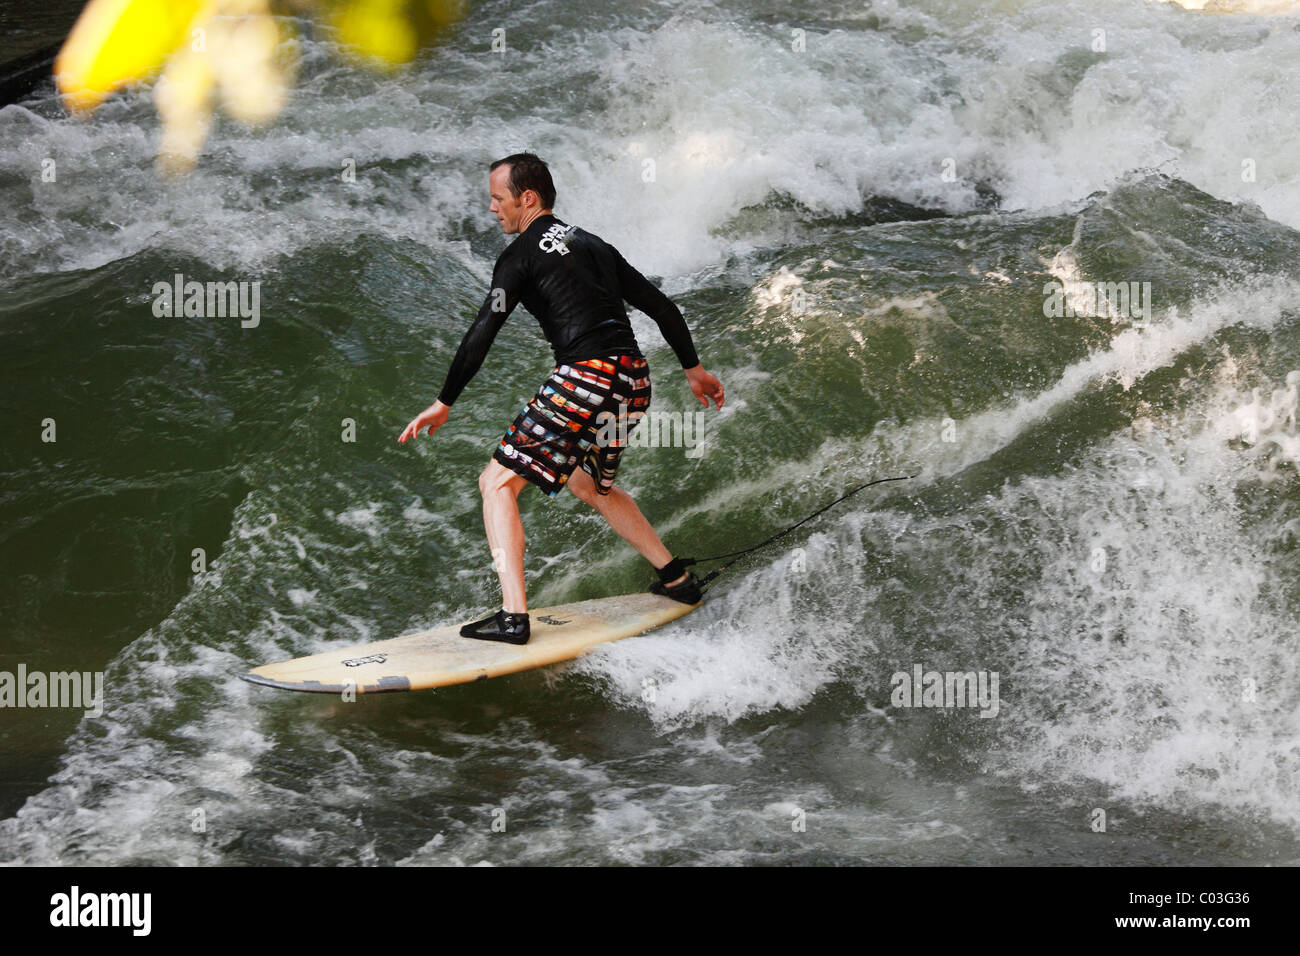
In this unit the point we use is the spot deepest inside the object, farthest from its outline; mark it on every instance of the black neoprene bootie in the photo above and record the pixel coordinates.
(688, 592)
(501, 626)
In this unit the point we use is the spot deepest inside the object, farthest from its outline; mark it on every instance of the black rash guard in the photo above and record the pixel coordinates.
(574, 283)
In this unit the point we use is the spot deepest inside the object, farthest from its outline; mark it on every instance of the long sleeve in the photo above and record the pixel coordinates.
(507, 285)
(641, 293)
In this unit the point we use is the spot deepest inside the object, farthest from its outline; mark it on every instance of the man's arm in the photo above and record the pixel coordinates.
(507, 283)
(642, 294)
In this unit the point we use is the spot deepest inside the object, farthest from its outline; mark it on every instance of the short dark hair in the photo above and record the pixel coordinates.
(527, 171)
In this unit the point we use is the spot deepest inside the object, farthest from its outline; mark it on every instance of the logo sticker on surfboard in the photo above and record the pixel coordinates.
(372, 659)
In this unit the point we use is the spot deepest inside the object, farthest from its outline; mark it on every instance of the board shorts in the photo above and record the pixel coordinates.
(581, 415)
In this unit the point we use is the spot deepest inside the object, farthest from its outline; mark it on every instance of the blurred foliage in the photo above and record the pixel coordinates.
(241, 53)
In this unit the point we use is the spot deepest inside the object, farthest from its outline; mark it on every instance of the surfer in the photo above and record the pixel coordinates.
(575, 284)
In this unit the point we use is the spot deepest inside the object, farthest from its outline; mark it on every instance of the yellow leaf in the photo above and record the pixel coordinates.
(115, 42)
(378, 29)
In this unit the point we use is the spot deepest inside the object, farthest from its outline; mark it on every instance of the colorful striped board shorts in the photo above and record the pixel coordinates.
(581, 415)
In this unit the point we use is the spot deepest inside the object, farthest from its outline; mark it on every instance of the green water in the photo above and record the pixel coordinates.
(1088, 520)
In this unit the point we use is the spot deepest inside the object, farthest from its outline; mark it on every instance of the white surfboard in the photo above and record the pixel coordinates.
(441, 657)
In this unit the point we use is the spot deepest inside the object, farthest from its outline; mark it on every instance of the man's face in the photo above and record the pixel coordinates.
(507, 208)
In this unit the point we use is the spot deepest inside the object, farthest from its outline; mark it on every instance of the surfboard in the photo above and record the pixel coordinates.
(441, 657)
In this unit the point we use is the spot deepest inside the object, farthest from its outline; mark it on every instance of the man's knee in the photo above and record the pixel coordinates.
(496, 477)
(583, 488)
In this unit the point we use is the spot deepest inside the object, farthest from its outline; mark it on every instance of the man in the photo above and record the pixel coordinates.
(574, 283)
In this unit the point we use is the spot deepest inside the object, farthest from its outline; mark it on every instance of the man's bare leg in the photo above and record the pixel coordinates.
(500, 488)
(620, 510)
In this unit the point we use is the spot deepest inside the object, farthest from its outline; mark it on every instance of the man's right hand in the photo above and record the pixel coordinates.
(704, 385)
(432, 418)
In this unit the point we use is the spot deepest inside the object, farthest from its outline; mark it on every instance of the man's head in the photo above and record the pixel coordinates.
(521, 190)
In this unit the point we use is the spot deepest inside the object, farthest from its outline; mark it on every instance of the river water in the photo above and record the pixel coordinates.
(858, 207)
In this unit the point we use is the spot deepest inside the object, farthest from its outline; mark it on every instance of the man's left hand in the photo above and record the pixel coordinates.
(432, 418)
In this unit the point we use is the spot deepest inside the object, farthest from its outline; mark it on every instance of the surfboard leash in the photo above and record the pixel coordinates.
(737, 555)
